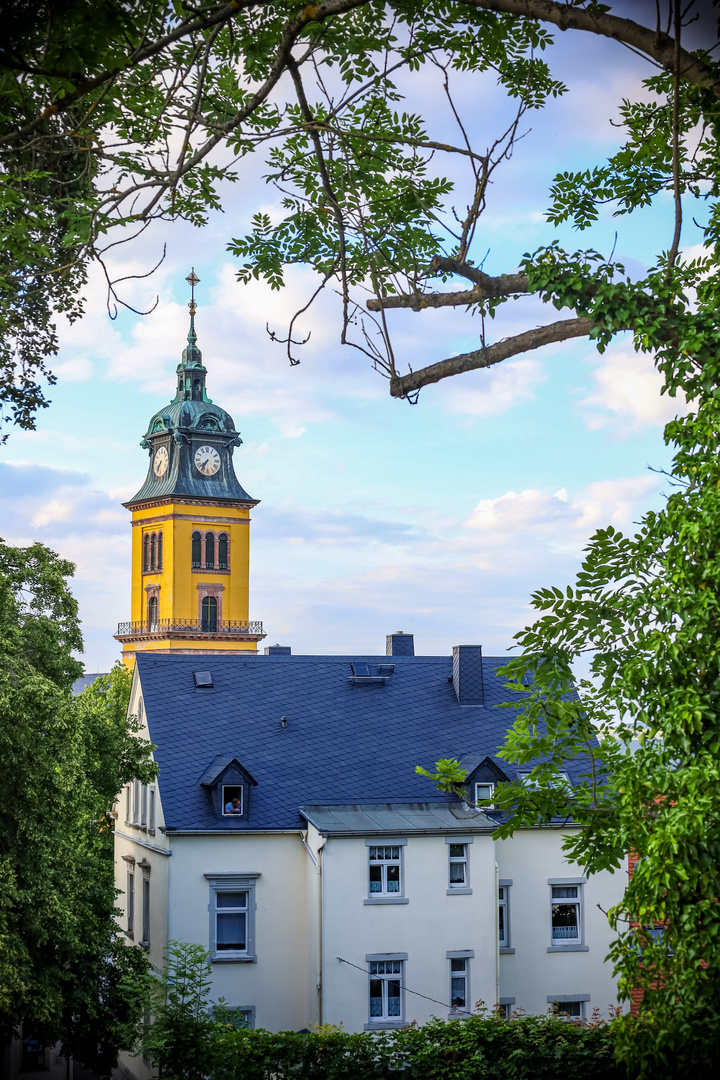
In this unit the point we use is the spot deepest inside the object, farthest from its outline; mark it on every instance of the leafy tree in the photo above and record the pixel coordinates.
(113, 115)
(645, 611)
(64, 972)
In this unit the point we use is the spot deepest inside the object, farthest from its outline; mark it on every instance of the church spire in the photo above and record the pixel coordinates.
(192, 357)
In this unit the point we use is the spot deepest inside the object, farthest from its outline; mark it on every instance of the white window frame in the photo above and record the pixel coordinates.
(506, 1006)
(383, 896)
(223, 883)
(396, 961)
(478, 797)
(458, 860)
(152, 799)
(128, 803)
(136, 802)
(557, 1001)
(504, 942)
(236, 787)
(559, 943)
(462, 956)
(459, 888)
(143, 806)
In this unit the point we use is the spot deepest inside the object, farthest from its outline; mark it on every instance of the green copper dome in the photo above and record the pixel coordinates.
(177, 433)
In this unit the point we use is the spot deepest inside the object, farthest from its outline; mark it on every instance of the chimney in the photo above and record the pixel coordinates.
(399, 644)
(467, 674)
(278, 650)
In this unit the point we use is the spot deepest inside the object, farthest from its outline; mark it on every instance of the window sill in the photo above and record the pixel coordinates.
(373, 900)
(459, 1014)
(384, 1025)
(208, 570)
(506, 950)
(568, 948)
(129, 934)
(232, 958)
(458, 892)
(144, 944)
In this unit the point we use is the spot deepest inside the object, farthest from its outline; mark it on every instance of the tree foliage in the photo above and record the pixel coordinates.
(645, 727)
(64, 973)
(113, 115)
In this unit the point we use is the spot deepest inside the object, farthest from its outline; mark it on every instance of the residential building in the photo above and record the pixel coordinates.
(289, 834)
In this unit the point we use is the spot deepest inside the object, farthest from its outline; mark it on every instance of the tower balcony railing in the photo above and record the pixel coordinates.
(188, 626)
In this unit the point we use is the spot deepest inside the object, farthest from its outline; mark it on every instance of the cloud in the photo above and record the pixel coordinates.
(626, 395)
(510, 384)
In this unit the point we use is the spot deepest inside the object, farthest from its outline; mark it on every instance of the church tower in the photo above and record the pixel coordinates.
(190, 528)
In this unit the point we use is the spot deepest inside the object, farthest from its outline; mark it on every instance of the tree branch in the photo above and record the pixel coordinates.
(657, 46)
(402, 385)
(486, 288)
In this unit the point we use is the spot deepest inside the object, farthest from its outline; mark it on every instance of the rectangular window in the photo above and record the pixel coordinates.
(232, 800)
(458, 866)
(128, 804)
(565, 914)
(503, 921)
(146, 911)
(483, 792)
(569, 1010)
(151, 811)
(231, 917)
(384, 870)
(459, 990)
(143, 806)
(130, 901)
(136, 802)
(385, 989)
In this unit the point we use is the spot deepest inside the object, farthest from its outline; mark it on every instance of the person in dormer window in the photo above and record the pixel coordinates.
(233, 807)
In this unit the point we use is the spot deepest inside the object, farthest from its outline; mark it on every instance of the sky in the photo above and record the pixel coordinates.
(439, 519)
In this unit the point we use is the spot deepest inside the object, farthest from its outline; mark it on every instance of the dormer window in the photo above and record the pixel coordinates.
(483, 792)
(232, 800)
(228, 785)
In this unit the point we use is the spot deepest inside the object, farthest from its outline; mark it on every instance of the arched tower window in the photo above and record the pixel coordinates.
(209, 551)
(196, 550)
(222, 551)
(146, 551)
(153, 622)
(197, 390)
(209, 614)
(159, 550)
(153, 551)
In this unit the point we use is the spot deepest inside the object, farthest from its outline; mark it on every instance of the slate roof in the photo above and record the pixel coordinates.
(344, 743)
(86, 680)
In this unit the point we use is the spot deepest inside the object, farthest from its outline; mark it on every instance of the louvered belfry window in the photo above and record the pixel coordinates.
(222, 551)
(196, 550)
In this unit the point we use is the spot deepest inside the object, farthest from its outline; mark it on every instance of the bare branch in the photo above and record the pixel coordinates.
(402, 385)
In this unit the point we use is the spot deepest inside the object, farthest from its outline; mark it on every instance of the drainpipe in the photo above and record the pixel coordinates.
(497, 936)
(321, 908)
(317, 863)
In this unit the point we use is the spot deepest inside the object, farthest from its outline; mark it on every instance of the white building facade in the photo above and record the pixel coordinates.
(368, 913)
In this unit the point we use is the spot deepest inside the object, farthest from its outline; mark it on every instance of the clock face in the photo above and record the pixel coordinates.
(207, 460)
(161, 460)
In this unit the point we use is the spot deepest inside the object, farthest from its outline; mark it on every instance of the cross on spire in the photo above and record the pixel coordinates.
(192, 280)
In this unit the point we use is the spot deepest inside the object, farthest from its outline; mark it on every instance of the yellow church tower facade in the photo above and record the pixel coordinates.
(190, 528)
